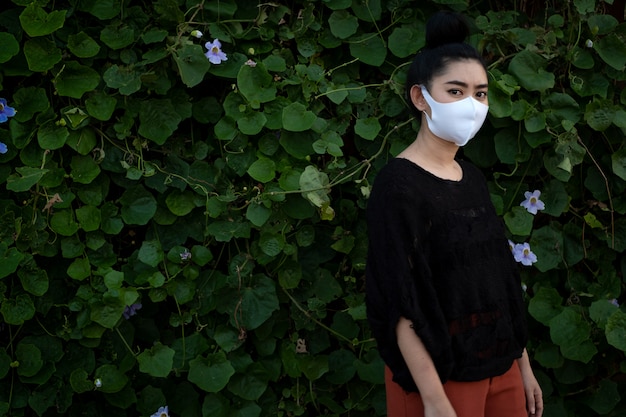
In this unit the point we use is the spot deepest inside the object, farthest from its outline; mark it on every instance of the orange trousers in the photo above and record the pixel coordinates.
(499, 396)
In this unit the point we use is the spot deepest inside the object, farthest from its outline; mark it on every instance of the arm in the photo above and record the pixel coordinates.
(534, 400)
(417, 358)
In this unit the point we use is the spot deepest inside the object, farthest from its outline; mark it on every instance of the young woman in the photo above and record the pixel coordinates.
(444, 297)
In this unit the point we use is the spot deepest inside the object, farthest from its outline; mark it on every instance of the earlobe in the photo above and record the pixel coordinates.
(417, 98)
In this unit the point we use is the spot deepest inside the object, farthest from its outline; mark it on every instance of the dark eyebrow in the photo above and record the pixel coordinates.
(462, 84)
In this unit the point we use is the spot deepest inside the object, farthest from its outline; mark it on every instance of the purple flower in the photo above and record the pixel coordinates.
(614, 302)
(162, 412)
(185, 255)
(511, 245)
(131, 310)
(214, 53)
(532, 202)
(3, 148)
(5, 111)
(523, 254)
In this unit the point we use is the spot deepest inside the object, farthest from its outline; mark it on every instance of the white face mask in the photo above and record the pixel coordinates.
(456, 122)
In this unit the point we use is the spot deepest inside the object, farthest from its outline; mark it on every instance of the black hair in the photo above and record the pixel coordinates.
(445, 42)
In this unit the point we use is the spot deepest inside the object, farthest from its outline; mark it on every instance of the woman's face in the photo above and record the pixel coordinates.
(461, 79)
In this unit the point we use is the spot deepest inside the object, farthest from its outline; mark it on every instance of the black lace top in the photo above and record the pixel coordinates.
(438, 256)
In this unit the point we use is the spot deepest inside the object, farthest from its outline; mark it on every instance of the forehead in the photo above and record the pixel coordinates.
(468, 71)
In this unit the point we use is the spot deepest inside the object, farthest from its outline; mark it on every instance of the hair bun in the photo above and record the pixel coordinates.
(446, 27)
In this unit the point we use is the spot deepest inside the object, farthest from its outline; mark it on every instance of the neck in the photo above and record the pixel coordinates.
(427, 147)
(434, 154)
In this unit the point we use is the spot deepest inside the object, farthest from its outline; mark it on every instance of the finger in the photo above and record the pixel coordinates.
(538, 404)
(530, 402)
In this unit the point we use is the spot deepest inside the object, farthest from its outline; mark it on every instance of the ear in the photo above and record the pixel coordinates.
(417, 98)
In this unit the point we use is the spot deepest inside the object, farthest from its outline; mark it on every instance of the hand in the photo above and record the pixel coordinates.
(534, 398)
(441, 408)
(434, 398)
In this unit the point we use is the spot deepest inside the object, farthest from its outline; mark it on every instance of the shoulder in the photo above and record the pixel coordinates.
(396, 185)
(395, 166)
(398, 173)
(472, 173)
(470, 168)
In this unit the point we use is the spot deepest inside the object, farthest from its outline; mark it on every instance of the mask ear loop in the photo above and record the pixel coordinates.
(422, 100)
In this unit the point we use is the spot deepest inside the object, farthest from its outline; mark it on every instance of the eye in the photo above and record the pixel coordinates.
(481, 95)
(455, 92)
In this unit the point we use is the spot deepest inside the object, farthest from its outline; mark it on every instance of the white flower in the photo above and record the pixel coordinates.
(98, 383)
(250, 63)
(589, 43)
(196, 34)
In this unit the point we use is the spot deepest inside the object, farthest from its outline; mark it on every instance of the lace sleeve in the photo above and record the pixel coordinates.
(400, 282)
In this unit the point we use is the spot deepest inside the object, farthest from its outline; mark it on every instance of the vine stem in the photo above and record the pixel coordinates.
(352, 171)
(319, 323)
(356, 169)
(44, 328)
(345, 64)
(311, 392)
(13, 371)
(182, 329)
(608, 191)
(348, 89)
(364, 396)
(117, 330)
(198, 7)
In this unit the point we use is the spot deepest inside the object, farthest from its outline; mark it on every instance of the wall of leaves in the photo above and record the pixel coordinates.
(183, 185)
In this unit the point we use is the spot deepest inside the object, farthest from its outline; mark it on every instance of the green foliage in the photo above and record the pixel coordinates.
(175, 231)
